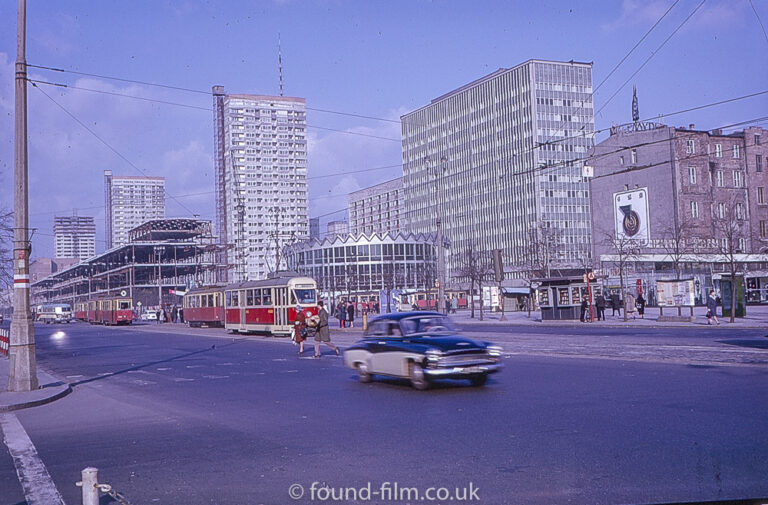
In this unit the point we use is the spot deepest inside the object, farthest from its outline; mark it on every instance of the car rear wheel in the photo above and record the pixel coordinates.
(363, 373)
(479, 380)
(418, 379)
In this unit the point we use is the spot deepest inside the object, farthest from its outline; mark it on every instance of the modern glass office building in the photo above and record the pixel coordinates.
(500, 159)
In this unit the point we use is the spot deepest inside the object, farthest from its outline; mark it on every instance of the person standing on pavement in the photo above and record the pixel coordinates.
(323, 333)
(712, 308)
(600, 303)
(615, 304)
(174, 313)
(300, 328)
(159, 315)
(341, 312)
(584, 306)
(640, 305)
(351, 315)
(454, 304)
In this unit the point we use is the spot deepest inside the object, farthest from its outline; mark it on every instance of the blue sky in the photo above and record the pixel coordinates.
(374, 58)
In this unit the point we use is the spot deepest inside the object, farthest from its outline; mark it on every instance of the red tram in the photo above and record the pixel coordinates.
(204, 307)
(81, 311)
(267, 305)
(110, 311)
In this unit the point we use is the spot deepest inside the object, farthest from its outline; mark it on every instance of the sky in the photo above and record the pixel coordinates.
(379, 59)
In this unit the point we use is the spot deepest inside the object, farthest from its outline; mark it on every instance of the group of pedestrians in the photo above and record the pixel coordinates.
(173, 315)
(615, 303)
(316, 327)
(345, 313)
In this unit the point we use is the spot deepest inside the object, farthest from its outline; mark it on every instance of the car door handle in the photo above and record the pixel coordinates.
(382, 342)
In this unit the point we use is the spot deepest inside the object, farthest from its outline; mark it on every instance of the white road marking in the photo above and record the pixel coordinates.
(289, 371)
(224, 364)
(163, 369)
(34, 478)
(73, 376)
(216, 376)
(194, 366)
(279, 359)
(179, 379)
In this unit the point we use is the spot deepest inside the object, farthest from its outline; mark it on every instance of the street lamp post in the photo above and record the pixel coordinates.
(23, 362)
(438, 173)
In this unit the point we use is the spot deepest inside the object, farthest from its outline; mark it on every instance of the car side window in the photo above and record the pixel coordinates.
(394, 330)
(377, 328)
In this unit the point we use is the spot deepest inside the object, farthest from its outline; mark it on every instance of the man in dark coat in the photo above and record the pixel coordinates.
(351, 314)
(584, 306)
(323, 333)
(600, 303)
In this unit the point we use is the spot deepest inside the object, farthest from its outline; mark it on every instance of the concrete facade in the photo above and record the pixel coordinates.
(131, 201)
(74, 237)
(377, 209)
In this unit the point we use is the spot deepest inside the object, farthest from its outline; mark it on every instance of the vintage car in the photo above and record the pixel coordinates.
(421, 346)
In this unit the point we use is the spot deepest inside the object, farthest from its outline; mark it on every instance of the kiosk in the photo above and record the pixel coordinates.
(560, 298)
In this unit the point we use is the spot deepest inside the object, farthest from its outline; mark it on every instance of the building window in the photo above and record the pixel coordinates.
(735, 150)
(760, 195)
(694, 210)
(621, 160)
(739, 211)
(737, 179)
(690, 147)
(692, 175)
(742, 245)
(724, 243)
(634, 156)
(721, 210)
(719, 178)
(763, 229)
(757, 140)
(759, 162)
(718, 150)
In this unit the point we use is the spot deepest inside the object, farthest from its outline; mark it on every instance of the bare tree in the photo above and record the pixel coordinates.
(731, 234)
(540, 256)
(678, 242)
(476, 267)
(627, 251)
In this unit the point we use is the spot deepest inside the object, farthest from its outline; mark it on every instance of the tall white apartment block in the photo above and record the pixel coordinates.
(74, 237)
(501, 158)
(261, 179)
(131, 201)
(377, 209)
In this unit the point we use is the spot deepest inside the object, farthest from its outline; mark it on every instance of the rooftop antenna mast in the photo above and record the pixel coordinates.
(280, 62)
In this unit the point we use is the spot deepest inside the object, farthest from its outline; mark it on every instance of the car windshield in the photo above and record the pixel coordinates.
(429, 324)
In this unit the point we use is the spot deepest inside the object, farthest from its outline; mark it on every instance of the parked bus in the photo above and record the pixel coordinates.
(54, 313)
(204, 306)
(109, 311)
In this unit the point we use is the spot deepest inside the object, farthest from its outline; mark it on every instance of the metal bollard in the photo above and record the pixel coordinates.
(365, 321)
(90, 478)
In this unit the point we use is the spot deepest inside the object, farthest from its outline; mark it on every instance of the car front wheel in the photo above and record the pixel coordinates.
(363, 373)
(418, 379)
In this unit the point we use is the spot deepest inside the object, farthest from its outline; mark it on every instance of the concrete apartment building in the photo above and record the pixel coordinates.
(501, 158)
(654, 182)
(74, 237)
(337, 228)
(377, 209)
(131, 201)
(261, 179)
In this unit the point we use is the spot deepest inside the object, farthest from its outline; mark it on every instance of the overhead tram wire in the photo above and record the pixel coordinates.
(595, 90)
(208, 93)
(60, 85)
(109, 146)
(653, 53)
(759, 20)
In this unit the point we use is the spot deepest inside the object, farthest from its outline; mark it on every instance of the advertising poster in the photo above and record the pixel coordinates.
(675, 293)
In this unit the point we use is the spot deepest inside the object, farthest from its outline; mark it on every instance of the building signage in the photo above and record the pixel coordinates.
(675, 293)
(631, 215)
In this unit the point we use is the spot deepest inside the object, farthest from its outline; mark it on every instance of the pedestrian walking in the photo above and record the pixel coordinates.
(351, 315)
(300, 328)
(640, 305)
(454, 304)
(600, 303)
(323, 333)
(712, 308)
(341, 313)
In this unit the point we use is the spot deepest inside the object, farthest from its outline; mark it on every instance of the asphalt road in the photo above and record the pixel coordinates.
(177, 417)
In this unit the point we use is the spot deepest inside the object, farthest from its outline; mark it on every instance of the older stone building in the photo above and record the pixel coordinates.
(671, 193)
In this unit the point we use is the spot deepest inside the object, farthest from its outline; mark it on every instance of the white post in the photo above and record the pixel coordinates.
(90, 477)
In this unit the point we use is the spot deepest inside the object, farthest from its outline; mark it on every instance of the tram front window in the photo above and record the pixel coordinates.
(305, 296)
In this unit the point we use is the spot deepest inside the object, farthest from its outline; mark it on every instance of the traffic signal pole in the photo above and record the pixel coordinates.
(23, 364)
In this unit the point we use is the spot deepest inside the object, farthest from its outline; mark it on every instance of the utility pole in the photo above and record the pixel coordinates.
(440, 169)
(23, 365)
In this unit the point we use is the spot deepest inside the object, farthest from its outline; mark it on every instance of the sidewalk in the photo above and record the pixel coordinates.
(757, 317)
(50, 389)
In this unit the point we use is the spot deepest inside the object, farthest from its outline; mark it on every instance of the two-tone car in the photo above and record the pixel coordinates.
(421, 347)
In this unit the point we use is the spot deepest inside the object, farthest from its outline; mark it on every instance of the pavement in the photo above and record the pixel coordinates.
(50, 389)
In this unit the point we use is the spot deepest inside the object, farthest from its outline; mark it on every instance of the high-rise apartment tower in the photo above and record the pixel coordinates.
(261, 179)
(131, 201)
(74, 237)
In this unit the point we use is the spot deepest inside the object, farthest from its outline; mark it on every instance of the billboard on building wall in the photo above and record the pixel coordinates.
(630, 210)
(675, 293)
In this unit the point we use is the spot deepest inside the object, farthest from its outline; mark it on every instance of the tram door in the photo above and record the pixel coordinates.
(281, 307)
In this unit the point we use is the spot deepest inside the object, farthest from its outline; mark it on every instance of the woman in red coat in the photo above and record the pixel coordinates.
(300, 328)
